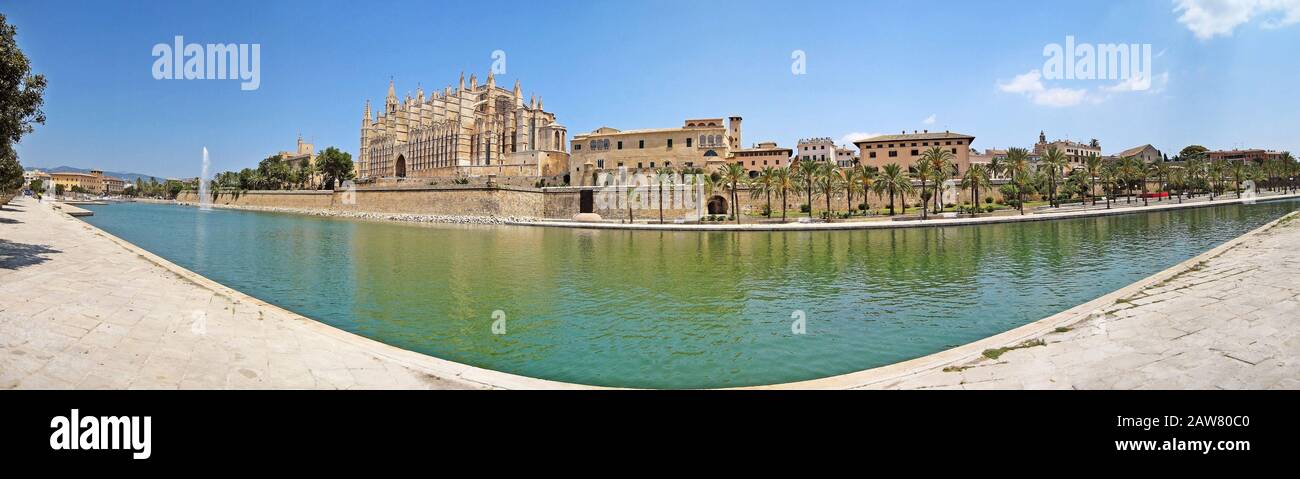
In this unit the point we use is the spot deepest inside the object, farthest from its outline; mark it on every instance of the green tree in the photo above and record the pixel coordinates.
(732, 177)
(895, 181)
(665, 174)
(807, 174)
(924, 170)
(762, 186)
(1092, 166)
(784, 183)
(976, 177)
(1055, 163)
(848, 178)
(941, 170)
(827, 184)
(335, 166)
(1018, 169)
(1193, 152)
(21, 98)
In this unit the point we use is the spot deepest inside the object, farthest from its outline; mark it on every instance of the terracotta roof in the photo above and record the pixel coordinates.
(916, 136)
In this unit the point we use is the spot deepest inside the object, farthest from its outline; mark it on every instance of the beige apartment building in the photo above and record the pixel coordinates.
(472, 130)
(699, 143)
(762, 155)
(1076, 154)
(1255, 155)
(94, 182)
(905, 149)
(825, 149)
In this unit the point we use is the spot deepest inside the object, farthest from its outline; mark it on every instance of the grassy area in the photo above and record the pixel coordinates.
(998, 352)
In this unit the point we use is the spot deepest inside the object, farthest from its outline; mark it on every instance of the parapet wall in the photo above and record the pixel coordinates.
(443, 201)
(512, 201)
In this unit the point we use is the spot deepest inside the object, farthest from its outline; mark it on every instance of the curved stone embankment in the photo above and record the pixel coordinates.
(403, 217)
(1226, 319)
(84, 309)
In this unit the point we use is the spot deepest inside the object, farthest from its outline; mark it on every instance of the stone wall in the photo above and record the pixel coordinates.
(418, 198)
(446, 201)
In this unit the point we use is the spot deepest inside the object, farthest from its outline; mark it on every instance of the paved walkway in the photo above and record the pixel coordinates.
(80, 309)
(1229, 319)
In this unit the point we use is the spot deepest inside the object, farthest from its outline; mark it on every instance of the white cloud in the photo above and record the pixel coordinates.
(1028, 83)
(1210, 18)
(1031, 85)
(1059, 97)
(857, 136)
(929, 120)
(1155, 85)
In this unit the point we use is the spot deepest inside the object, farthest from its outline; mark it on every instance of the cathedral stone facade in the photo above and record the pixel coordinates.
(473, 130)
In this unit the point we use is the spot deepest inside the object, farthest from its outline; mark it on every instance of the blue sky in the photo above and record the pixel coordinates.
(1225, 71)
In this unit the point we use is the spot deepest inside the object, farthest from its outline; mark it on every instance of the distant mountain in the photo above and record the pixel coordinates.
(130, 177)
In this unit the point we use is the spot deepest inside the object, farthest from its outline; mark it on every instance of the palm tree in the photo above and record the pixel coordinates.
(1141, 172)
(1018, 168)
(783, 183)
(1160, 171)
(996, 167)
(1128, 172)
(1055, 162)
(1214, 176)
(1092, 166)
(1238, 174)
(1110, 176)
(848, 177)
(807, 173)
(894, 180)
(941, 165)
(1178, 179)
(665, 175)
(1195, 172)
(732, 176)
(976, 177)
(827, 183)
(762, 185)
(923, 172)
(1292, 169)
(867, 178)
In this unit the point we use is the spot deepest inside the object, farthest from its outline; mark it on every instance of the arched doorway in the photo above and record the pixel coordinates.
(400, 169)
(717, 205)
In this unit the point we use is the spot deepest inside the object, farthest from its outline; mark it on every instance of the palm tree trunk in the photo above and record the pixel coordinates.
(828, 206)
(810, 205)
(661, 202)
(783, 200)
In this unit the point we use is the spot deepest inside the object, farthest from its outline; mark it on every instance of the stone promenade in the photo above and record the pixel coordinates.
(1227, 322)
(79, 309)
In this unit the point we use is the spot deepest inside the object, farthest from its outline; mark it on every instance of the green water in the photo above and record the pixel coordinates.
(674, 309)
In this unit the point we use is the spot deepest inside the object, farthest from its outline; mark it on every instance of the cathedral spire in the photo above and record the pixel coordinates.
(473, 81)
(366, 116)
(462, 81)
(392, 92)
(492, 80)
